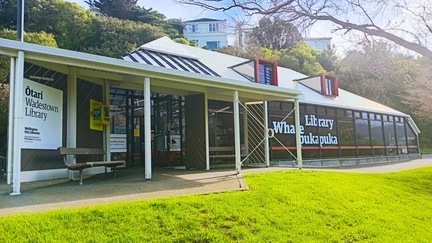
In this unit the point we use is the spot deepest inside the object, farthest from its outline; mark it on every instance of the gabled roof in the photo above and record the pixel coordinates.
(221, 63)
(205, 20)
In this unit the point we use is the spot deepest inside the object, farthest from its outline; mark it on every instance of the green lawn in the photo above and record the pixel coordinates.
(426, 150)
(289, 206)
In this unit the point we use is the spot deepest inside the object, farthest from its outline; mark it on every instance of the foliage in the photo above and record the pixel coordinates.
(4, 109)
(121, 9)
(40, 38)
(185, 42)
(276, 33)
(289, 206)
(392, 20)
(113, 37)
(68, 22)
(301, 58)
(379, 73)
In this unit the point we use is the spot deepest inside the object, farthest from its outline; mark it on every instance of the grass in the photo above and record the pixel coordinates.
(426, 150)
(289, 206)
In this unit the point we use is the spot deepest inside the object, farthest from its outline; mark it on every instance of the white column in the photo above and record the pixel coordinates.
(246, 131)
(11, 118)
(207, 144)
(237, 145)
(18, 130)
(266, 141)
(107, 129)
(71, 131)
(297, 128)
(147, 129)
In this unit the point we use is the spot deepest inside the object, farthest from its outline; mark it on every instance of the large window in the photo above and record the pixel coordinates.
(412, 140)
(401, 136)
(390, 136)
(377, 137)
(214, 27)
(193, 28)
(213, 45)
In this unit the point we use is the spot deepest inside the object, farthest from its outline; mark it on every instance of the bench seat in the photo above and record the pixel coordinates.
(84, 165)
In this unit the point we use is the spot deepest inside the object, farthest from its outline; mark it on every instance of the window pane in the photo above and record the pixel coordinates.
(412, 140)
(401, 139)
(389, 138)
(363, 137)
(377, 133)
(346, 132)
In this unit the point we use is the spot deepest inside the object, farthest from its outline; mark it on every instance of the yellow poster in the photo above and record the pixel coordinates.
(136, 132)
(97, 127)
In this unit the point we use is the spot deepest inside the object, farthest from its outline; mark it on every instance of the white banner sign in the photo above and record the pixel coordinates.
(42, 116)
(118, 143)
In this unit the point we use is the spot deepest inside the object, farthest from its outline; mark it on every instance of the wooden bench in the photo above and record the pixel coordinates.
(88, 151)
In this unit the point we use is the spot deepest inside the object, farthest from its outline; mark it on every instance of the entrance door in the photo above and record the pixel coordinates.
(169, 129)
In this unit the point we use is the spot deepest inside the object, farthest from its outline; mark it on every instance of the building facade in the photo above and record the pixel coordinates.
(168, 104)
(211, 33)
(319, 43)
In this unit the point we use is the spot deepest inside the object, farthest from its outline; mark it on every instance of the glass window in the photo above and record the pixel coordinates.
(213, 27)
(377, 133)
(400, 134)
(349, 114)
(287, 106)
(340, 113)
(310, 109)
(274, 105)
(385, 118)
(412, 140)
(389, 138)
(357, 114)
(309, 137)
(331, 112)
(372, 116)
(362, 132)
(378, 117)
(364, 115)
(328, 138)
(321, 110)
(213, 45)
(346, 132)
(363, 137)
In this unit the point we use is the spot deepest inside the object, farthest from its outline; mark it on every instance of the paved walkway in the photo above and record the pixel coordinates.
(131, 185)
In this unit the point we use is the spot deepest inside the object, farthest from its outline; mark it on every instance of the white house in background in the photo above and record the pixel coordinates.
(242, 36)
(319, 43)
(211, 33)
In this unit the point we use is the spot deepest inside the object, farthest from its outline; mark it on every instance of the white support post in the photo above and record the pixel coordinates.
(147, 129)
(71, 131)
(297, 134)
(246, 131)
(207, 144)
(266, 142)
(107, 129)
(18, 130)
(11, 119)
(237, 145)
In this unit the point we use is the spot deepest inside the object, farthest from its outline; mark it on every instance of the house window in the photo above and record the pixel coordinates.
(213, 45)
(329, 85)
(193, 28)
(214, 27)
(195, 41)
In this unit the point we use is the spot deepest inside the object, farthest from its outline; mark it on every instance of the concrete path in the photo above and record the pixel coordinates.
(131, 185)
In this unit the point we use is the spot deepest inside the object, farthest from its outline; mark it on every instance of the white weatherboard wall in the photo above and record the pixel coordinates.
(42, 116)
(204, 35)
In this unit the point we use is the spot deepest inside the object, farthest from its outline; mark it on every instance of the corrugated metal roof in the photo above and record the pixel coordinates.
(171, 61)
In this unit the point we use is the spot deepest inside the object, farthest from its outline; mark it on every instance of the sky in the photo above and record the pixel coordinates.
(174, 10)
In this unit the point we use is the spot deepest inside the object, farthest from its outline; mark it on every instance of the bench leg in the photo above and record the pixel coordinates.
(80, 177)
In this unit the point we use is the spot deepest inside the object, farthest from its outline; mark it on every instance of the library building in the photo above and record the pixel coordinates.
(171, 105)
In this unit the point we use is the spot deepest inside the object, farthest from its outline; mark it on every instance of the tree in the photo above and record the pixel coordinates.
(121, 9)
(114, 37)
(378, 72)
(301, 58)
(4, 114)
(178, 24)
(276, 33)
(68, 22)
(389, 19)
(41, 38)
(185, 42)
